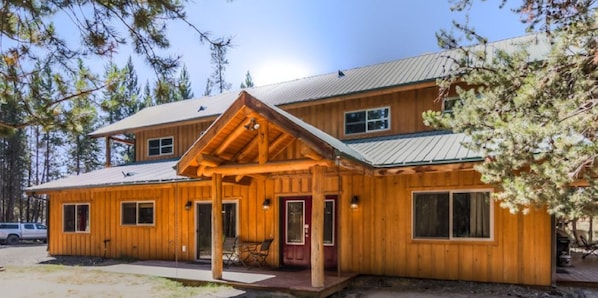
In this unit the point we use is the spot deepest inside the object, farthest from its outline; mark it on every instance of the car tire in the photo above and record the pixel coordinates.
(12, 240)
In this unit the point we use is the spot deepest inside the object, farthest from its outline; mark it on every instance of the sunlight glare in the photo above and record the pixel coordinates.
(279, 71)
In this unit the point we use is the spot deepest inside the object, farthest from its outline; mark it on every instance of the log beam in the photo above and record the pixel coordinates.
(108, 152)
(271, 167)
(124, 141)
(317, 227)
(230, 139)
(310, 153)
(217, 242)
(208, 160)
(263, 142)
(408, 170)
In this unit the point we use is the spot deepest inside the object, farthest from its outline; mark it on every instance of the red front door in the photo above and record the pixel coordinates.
(296, 220)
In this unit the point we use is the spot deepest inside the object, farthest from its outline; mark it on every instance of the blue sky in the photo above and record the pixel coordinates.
(282, 40)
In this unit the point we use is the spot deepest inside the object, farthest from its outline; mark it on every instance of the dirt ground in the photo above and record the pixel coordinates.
(30, 272)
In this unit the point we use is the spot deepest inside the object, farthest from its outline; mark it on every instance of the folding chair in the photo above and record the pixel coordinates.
(229, 251)
(260, 253)
(589, 248)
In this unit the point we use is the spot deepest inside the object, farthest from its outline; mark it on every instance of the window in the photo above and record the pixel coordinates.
(367, 120)
(329, 222)
(448, 104)
(75, 218)
(162, 146)
(452, 215)
(137, 213)
(29, 227)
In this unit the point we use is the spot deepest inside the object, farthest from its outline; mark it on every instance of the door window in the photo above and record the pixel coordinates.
(295, 222)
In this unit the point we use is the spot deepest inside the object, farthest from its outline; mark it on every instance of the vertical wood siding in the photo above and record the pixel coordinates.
(406, 117)
(375, 238)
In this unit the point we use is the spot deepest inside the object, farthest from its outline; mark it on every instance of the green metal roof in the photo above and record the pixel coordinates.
(427, 67)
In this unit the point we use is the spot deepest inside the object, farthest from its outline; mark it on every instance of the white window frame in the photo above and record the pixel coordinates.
(286, 222)
(88, 227)
(450, 219)
(367, 120)
(160, 146)
(452, 98)
(136, 224)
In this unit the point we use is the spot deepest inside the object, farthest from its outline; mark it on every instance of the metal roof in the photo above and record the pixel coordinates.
(139, 173)
(427, 67)
(428, 148)
(438, 147)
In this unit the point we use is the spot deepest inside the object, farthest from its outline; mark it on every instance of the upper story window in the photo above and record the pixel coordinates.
(75, 218)
(452, 215)
(449, 103)
(161, 146)
(137, 213)
(367, 120)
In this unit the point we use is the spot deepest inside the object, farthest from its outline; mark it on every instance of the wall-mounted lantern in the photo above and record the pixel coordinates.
(354, 202)
(266, 204)
(188, 205)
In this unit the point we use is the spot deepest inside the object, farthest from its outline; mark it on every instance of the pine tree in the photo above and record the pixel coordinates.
(219, 64)
(121, 99)
(209, 85)
(164, 90)
(30, 35)
(535, 121)
(84, 152)
(248, 83)
(146, 99)
(184, 85)
(12, 156)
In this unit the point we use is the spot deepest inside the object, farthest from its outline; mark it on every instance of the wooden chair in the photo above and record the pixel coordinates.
(229, 251)
(260, 253)
(589, 248)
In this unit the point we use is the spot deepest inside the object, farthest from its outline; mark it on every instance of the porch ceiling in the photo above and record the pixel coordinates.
(250, 137)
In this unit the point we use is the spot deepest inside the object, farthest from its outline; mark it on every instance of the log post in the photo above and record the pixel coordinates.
(217, 240)
(108, 152)
(317, 228)
(263, 143)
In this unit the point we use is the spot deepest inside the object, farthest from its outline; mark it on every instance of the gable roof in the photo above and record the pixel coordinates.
(232, 140)
(423, 68)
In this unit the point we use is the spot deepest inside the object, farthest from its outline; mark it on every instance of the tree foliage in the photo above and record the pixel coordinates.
(248, 83)
(183, 85)
(219, 65)
(535, 121)
(40, 34)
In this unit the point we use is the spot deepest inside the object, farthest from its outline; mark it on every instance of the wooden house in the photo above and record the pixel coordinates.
(338, 169)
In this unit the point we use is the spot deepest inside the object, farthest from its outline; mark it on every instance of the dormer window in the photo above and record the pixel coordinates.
(161, 146)
(367, 120)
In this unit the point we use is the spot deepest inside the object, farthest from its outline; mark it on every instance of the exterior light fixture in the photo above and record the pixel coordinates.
(252, 125)
(354, 202)
(188, 205)
(266, 204)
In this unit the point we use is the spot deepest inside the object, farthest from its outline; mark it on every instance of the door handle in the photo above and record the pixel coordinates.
(306, 228)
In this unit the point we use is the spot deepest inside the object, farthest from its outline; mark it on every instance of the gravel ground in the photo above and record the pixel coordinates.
(21, 264)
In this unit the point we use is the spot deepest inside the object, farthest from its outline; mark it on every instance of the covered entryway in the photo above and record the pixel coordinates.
(253, 144)
(297, 223)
